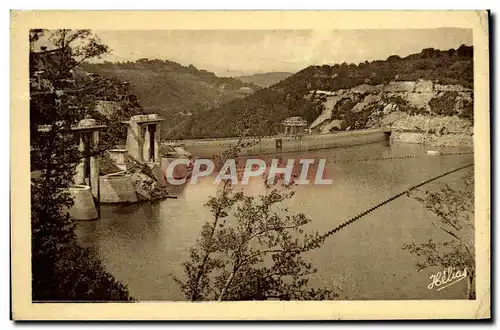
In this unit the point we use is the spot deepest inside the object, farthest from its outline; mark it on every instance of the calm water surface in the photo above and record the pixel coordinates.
(143, 245)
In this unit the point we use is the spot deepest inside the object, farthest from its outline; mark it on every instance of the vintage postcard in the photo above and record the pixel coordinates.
(280, 165)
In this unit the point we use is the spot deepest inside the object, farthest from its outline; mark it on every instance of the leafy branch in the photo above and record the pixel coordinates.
(251, 249)
(455, 211)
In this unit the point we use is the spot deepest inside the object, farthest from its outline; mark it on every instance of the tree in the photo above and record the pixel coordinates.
(455, 211)
(251, 249)
(61, 269)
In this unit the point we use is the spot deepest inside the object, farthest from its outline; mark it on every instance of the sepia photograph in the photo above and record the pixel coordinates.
(235, 166)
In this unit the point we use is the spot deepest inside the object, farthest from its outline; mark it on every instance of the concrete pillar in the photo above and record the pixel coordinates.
(145, 145)
(88, 167)
(135, 140)
(79, 177)
(157, 144)
(139, 135)
(94, 163)
(83, 207)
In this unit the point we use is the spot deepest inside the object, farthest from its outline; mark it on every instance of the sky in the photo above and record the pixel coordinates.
(241, 52)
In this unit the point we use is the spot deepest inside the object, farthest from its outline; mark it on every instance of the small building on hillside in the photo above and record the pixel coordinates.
(294, 125)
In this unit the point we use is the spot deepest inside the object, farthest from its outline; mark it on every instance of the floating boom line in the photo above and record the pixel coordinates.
(316, 242)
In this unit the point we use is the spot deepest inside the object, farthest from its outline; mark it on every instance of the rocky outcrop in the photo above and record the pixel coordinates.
(368, 99)
(147, 189)
(326, 115)
(432, 125)
(173, 149)
(145, 181)
(420, 106)
(439, 131)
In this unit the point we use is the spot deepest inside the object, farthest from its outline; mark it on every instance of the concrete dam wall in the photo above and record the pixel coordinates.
(277, 144)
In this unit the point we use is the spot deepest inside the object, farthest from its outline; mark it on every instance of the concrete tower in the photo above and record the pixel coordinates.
(143, 138)
(87, 170)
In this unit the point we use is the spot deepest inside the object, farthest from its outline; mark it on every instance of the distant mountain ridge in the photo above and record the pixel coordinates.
(172, 90)
(265, 79)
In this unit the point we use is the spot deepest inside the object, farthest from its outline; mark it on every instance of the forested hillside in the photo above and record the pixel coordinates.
(262, 112)
(174, 91)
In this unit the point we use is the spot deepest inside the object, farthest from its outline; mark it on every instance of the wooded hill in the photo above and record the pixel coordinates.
(172, 90)
(262, 112)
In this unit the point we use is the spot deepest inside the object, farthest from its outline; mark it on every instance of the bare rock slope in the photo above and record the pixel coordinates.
(421, 106)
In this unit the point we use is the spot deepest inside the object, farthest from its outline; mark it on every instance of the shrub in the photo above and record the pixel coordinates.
(444, 105)
(468, 111)
(61, 269)
(455, 213)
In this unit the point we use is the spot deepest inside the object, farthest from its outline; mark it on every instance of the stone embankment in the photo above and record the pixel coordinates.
(148, 183)
(442, 131)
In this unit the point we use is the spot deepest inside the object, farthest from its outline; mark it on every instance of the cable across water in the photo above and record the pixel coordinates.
(398, 157)
(320, 239)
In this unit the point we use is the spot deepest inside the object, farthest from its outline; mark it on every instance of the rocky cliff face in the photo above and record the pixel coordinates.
(419, 106)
